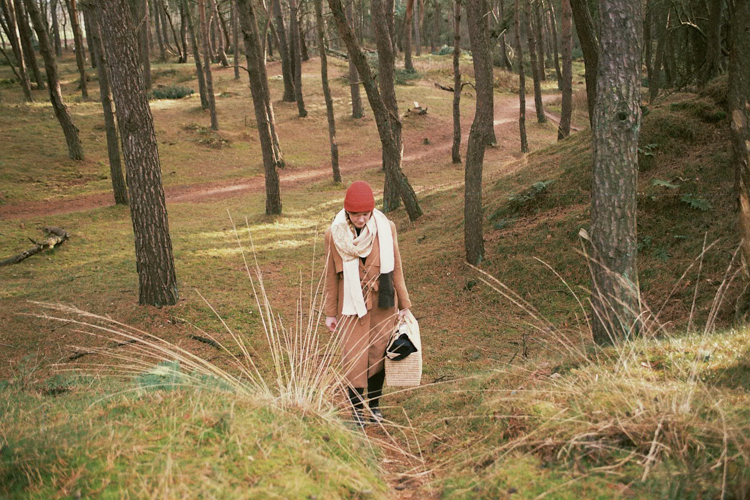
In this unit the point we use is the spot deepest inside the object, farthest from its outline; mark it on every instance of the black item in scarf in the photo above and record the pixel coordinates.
(386, 297)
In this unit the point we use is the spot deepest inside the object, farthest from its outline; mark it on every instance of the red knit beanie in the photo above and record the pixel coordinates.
(359, 198)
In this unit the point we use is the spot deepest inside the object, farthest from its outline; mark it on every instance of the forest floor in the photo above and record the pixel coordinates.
(511, 406)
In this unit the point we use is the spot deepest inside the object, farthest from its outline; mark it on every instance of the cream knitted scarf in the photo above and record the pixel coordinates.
(352, 247)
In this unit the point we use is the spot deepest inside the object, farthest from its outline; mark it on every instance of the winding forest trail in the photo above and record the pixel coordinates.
(505, 120)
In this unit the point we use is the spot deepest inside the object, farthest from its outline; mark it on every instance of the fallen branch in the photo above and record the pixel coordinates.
(448, 88)
(54, 237)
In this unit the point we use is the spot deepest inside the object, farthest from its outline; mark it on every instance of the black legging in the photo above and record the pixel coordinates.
(374, 392)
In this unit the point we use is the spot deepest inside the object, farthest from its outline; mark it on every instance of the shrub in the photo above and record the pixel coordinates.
(404, 76)
(171, 92)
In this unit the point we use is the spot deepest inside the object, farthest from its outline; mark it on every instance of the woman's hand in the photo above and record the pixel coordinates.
(402, 314)
(331, 323)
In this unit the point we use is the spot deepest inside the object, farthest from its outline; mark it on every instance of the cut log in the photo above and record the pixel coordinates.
(54, 237)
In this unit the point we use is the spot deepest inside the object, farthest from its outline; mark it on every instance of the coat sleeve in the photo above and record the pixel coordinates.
(398, 274)
(332, 279)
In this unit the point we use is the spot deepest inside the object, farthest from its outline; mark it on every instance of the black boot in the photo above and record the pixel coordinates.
(374, 392)
(357, 399)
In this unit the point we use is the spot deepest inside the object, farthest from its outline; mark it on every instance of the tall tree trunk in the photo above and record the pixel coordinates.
(207, 64)
(357, 111)
(113, 147)
(521, 80)
(589, 47)
(262, 104)
(153, 246)
(739, 98)
(408, 64)
(184, 32)
(221, 39)
(553, 36)
(15, 42)
(26, 46)
(617, 118)
(417, 26)
(87, 33)
(538, 25)
(563, 130)
(476, 16)
(647, 49)
(713, 43)
(327, 91)
(503, 46)
(285, 53)
(303, 52)
(164, 18)
(157, 28)
(55, 27)
(662, 19)
(196, 55)
(456, 149)
(75, 151)
(294, 42)
(386, 81)
(144, 34)
(435, 26)
(540, 116)
(383, 118)
(236, 40)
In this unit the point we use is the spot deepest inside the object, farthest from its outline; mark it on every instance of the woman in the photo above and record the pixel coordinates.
(364, 286)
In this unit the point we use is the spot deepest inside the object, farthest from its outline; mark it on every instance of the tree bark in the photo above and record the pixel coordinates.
(75, 151)
(183, 32)
(383, 118)
(408, 64)
(417, 24)
(327, 91)
(538, 103)
(521, 80)
(563, 130)
(157, 28)
(285, 53)
(357, 111)
(555, 49)
(207, 65)
(55, 27)
(262, 104)
(503, 46)
(216, 21)
(456, 149)
(87, 37)
(476, 16)
(15, 42)
(662, 20)
(294, 42)
(589, 47)
(303, 52)
(27, 48)
(647, 49)
(713, 43)
(617, 118)
(143, 33)
(153, 246)
(739, 98)
(113, 147)
(196, 55)
(236, 40)
(538, 27)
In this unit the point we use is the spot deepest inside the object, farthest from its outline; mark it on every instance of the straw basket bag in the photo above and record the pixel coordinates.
(406, 372)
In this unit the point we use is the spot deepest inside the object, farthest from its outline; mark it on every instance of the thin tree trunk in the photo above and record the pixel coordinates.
(113, 147)
(327, 91)
(713, 43)
(184, 33)
(456, 149)
(655, 82)
(435, 26)
(417, 26)
(408, 64)
(521, 80)
(294, 48)
(555, 50)
(739, 97)
(538, 24)
(27, 49)
(647, 49)
(285, 53)
(236, 40)
(55, 27)
(383, 118)
(144, 32)
(161, 11)
(262, 104)
(476, 16)
(538, 103)
(503, 46)
(563, 130)
(304, 53)
(220, 39)
(617, 117)
(75, 151)
(196, 55)
(15, 42)
(153, 246)
(590, 49)
(157, 29)
(207, 64)
(87, 37)
(357, 111)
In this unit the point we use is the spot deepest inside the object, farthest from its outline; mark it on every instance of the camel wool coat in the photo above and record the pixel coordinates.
(364, 339)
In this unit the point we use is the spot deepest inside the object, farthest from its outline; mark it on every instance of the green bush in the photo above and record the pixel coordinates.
(171, 92)
(445, 50)
(403, 76)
